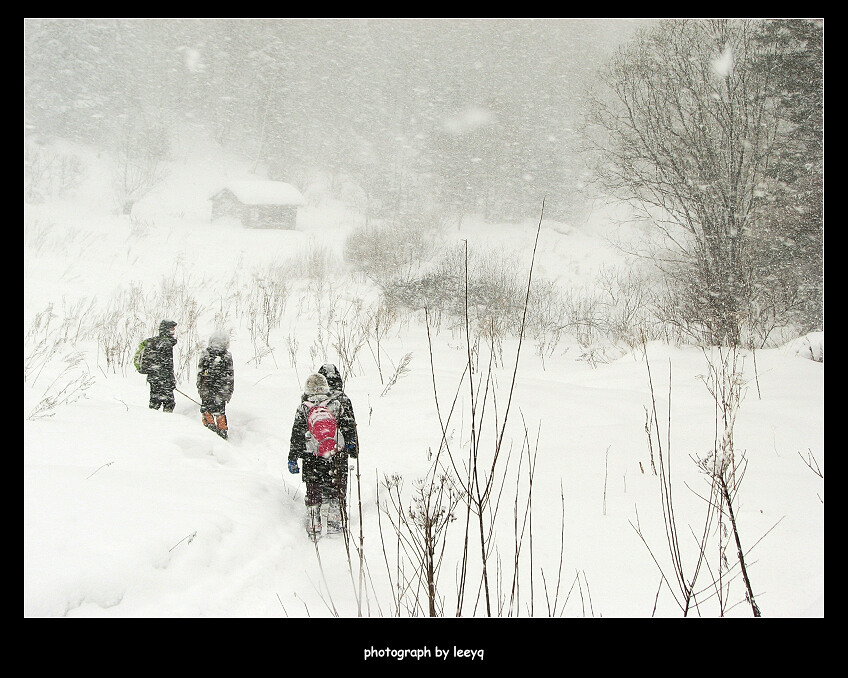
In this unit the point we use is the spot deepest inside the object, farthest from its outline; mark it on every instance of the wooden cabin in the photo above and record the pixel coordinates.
(258, 204)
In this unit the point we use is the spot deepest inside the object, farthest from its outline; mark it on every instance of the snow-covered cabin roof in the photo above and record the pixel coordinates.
(262, 192)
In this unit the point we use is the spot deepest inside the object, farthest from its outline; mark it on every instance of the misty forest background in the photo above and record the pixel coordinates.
(370, 100)
(419, 123)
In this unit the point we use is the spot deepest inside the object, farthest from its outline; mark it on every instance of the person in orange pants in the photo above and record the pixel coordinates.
(215, 383)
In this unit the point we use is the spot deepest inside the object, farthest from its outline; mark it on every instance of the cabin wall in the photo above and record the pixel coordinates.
(255, 216)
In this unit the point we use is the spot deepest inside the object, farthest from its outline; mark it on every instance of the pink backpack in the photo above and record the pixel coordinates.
(323, 427)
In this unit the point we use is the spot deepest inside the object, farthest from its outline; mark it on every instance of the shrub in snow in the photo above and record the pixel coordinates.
(810, 346)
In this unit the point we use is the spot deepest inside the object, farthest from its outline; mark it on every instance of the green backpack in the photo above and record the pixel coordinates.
(141, 359)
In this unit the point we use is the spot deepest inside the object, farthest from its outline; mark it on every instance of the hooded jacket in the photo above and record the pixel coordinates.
(160, 375)
(317, 469)
(215, 375)
(336, 384)
(334, 379)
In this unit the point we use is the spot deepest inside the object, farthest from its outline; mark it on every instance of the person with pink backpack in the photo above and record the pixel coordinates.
(324, 438)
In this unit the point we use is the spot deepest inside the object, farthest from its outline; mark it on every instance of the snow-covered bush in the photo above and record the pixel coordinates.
(625, 311)
(810, 346)
(383, 251)
(316, 262)
(51, 358)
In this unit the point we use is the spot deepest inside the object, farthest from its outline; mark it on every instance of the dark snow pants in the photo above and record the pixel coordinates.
(163, 398)
(322, 487)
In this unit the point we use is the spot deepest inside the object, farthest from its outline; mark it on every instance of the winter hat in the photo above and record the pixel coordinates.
(316, 384)
(219, 339)
(334, 379)
(166, 326)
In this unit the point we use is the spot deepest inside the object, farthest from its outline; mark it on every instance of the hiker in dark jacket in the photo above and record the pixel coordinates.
(160, 374)
(215, 382)
(348, 424)
(325, 477)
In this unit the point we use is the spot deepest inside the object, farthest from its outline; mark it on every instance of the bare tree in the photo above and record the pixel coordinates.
(689, 132)
(138, 168)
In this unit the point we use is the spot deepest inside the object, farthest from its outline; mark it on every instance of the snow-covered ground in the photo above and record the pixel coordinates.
(130, 512)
